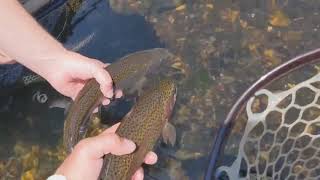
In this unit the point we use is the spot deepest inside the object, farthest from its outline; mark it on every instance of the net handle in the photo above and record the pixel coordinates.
(291, 65)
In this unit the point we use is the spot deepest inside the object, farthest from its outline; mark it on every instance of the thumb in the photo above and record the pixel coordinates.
(96, 147)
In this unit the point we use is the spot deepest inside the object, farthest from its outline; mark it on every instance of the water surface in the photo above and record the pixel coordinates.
(226, 44)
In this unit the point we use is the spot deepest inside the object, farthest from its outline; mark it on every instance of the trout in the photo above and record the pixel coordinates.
(143, 125)
(125, 72)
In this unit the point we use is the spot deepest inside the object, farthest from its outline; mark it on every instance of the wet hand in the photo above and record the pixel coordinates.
(85, 161)
(69, 74)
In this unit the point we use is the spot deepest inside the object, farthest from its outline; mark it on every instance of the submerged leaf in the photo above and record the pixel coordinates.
(279, 19)
(272, 57)
(230, 15)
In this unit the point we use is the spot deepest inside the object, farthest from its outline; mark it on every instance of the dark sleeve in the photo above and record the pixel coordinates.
(9, 74)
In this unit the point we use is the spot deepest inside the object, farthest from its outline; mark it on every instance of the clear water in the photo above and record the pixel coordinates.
(226, 44)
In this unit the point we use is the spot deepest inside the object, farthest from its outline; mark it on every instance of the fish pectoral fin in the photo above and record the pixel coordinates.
(169, 134)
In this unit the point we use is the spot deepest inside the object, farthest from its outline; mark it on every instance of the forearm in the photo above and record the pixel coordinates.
(24, 40)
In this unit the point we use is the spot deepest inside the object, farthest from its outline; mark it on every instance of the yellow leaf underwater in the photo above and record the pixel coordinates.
(279, 19)
(230, 15)
(210, 6)
(181, 7)
(272, 57)
(29, 175)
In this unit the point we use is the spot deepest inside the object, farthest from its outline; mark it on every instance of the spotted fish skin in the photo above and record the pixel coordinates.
(143, 125)
(124, 72)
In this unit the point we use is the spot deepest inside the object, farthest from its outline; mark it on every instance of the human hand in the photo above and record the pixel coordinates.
(69, 73)
(5, 59)
(85, 161)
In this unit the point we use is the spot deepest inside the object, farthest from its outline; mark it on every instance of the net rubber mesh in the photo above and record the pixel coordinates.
(282, 141)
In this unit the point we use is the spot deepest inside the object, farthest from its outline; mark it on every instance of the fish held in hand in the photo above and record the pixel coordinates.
(143, 125)
(124, 72)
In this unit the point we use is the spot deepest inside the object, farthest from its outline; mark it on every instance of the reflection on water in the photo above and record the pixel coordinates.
(227, 45)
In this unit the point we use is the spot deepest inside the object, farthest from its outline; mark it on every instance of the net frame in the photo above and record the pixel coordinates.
(225, 128)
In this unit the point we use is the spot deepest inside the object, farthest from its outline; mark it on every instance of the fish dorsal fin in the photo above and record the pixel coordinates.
(169, 134)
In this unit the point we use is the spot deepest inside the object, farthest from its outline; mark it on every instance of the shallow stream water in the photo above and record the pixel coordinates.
(226, 44)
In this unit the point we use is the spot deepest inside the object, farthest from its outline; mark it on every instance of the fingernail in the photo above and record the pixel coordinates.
(130, 144)
(109, 94)
(106, 102)
(119, 94)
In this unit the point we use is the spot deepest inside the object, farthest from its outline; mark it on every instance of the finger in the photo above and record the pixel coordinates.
(105, 65)
(104, 79)
(119, 93)
(106, 101)
(111, 129)
(151, 158)
(138, 175)
(96, 147)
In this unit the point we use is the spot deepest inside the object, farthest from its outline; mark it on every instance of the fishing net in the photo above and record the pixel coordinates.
(281, 135)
